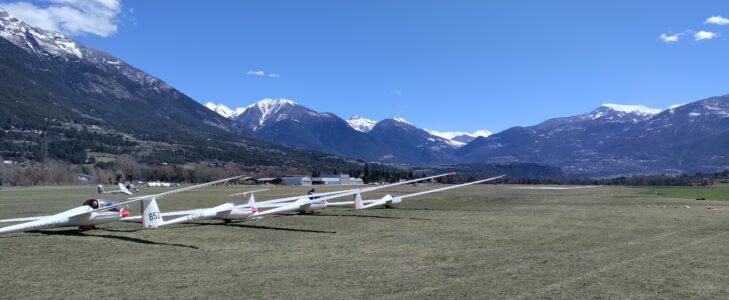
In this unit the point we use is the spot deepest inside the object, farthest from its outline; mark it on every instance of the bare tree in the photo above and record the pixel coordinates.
(129, 167)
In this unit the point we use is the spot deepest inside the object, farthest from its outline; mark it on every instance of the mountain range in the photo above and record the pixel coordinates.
(610, 140)
(618, 140)
(62, 100)
(393, 140)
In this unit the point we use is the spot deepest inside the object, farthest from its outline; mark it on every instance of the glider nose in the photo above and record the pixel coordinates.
(124, 212)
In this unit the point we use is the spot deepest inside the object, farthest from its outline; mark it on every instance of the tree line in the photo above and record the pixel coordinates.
(126, 168)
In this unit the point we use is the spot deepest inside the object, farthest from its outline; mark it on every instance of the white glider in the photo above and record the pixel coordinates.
(390, 201)
(293, 198)
(98, 211)
(225, 211)
(308, 206)
(250, 209)
(122, 190)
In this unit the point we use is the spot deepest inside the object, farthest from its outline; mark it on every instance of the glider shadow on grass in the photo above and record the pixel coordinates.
(374, 217)
(74, 232)
(444, 209)
(244, 225)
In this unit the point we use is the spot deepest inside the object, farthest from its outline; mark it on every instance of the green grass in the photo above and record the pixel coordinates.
(479, 242)
(718, 192)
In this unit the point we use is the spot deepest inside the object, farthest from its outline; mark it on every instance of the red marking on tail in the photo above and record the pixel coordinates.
(124, 212)
(254, 209)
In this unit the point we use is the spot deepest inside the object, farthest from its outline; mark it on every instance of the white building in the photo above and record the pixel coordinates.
(337, 179)
(296, 180)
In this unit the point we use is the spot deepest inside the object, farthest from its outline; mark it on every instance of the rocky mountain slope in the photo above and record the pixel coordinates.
(618, 139)
(62, 100)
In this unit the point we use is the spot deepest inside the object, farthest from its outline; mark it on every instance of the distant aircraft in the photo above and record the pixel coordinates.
(98, 211)
(250, 209)
(390, 201)
(122, 190)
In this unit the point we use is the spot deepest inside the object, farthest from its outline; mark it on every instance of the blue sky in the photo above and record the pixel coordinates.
(443, 65)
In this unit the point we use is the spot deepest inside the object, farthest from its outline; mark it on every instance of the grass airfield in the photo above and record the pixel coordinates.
(479, 242)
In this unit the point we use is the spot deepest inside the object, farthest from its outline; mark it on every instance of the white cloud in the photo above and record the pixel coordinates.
(670, 38)
(705, 35)
(73, 17)
(717, 20)
(261, 73)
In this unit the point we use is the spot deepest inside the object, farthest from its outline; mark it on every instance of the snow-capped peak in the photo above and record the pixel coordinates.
(221, 109)
(269, 107)
(268, 103)
(401, 120)
(483, 133)
(676, 106)
(453, 134)
(266, 106)
(459, 138)
(361, 124)
(224, 111)
(621, 113)
(36, 40)
(633, 109)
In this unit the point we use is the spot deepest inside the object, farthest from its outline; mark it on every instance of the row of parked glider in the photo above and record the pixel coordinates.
(99, 211)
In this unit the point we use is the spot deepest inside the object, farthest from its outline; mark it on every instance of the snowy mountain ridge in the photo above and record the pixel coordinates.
(361, 124)
(453, 134)
(634, 109)
(50, 45)
(264, 110)
(268, 107)
(224, 111)
(36, 40)
(632, 113)
(460, 138)
(401, 120)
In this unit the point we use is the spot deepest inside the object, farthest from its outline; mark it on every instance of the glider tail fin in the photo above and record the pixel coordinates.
(101, 189)
(358, 201)
(151, 216)
(251, 201)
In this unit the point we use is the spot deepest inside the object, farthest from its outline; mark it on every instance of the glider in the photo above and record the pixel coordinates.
(250, 209)
(308, 206)
(225, 211)
(122, 190)
(390, 201)
(99, 211)
(228, 211)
